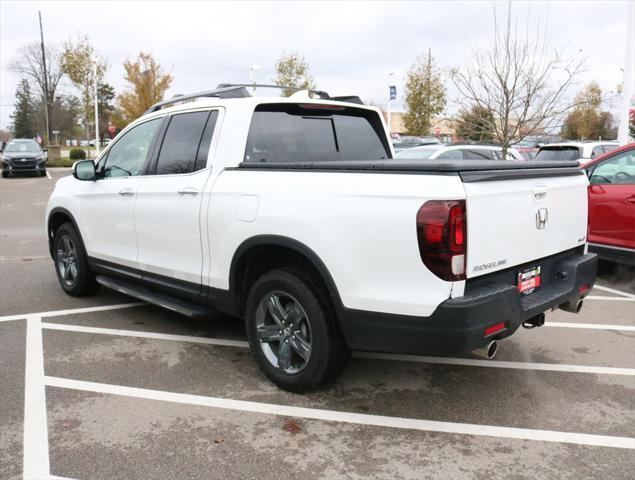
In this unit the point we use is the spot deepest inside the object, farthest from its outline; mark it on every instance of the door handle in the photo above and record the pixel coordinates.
(126, 192)
(630, 199)
(188, 191)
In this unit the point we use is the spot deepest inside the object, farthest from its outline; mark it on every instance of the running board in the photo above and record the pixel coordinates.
(189, 309)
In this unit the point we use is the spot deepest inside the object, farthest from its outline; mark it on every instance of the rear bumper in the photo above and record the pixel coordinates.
(458, 324)
(613, 254)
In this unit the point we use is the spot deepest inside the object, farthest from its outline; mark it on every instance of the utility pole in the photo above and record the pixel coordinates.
(47, 105)
(96, 107)
(629, 75)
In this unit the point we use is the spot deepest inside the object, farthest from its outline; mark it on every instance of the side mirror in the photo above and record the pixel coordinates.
(84, 170)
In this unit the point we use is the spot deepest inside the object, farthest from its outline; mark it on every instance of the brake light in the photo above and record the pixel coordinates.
(321, 106)
(442, 238)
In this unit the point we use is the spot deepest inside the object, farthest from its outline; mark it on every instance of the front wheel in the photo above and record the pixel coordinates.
(71, 264)
(292, 332)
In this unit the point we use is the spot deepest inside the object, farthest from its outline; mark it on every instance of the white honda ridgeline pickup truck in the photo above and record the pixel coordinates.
(292, 214)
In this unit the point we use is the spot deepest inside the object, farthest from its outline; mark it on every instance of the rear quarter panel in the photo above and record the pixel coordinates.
(361, 225)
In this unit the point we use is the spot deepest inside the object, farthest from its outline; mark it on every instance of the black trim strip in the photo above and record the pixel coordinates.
(496, 175)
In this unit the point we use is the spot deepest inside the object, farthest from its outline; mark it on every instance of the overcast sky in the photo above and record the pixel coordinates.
(351, 47)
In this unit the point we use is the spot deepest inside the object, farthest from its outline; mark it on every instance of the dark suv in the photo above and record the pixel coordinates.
(23, 156)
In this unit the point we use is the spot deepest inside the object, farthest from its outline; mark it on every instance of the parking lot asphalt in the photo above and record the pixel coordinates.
(97, 388)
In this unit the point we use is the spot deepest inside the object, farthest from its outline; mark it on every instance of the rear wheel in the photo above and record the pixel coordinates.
(292, 332)
(71, 263)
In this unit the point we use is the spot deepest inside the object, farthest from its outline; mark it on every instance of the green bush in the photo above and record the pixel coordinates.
(60, 162)
(77, 154)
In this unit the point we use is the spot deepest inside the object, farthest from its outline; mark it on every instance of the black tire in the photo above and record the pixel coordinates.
(303, 302)
(5, 174)
(71, 264)
(43, 173)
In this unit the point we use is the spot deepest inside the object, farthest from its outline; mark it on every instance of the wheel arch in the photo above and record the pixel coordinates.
(57, 217)
(261, 253)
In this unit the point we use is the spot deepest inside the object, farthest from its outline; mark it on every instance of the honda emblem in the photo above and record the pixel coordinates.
(542, 215)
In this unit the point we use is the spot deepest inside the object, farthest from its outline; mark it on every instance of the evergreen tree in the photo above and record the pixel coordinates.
(425, 95)
(22, 117)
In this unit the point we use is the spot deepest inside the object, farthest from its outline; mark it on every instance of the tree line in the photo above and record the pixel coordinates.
(72, 115)
(515, 87)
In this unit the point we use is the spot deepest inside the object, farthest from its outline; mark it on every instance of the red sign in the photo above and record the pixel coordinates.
(437, 130)
(111, 127)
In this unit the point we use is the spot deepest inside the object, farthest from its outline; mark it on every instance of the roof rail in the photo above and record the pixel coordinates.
(240, 90)
(223, 91)
(319, 93)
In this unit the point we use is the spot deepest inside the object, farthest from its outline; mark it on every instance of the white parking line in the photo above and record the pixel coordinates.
(36, 450)
(592, 326)
(151, 335)
(346, 417)
(468, 362)
(551, 367)
(48, 174)
(72, 311)
(612, 290)
(614, 299)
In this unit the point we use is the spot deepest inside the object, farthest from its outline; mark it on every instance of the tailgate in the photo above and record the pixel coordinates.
(514, 221)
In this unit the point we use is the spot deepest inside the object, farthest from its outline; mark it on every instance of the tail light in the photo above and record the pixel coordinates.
(442, 237)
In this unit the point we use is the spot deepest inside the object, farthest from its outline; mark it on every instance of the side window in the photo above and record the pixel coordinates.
(451, 155)
(184, 140)
(619, 169)
(127, 156)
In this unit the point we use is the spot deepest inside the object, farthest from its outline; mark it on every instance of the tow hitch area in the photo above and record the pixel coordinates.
(533, 322)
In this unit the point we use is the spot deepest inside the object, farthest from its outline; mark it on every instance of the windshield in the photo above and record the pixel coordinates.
(558, 154)
(416, 153)
(22, 147)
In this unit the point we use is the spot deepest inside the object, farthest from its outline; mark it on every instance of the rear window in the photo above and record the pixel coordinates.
(308, 133)
(558, 154)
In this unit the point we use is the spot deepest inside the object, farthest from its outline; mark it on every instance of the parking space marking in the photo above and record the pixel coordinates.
(592, 326)
(614, 299)
(551, 367)
(48, 174)
(612, 290)
(36, 451)
(468, 362)
(72, 311)
(151, 335)
(346, 417)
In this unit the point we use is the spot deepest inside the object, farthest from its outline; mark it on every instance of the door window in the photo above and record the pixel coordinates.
(127, 157)
(619, 169)
(186, 143)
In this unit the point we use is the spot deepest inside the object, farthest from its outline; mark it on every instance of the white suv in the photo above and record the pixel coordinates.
(458, 152)
(580, 151)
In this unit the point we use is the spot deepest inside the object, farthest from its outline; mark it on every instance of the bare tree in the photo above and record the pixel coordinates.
(520, 79)
(29, 64)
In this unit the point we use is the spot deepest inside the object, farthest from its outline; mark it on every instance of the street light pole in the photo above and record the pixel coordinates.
(389, 100)
(252, 75)
(96, 108)
(629, 75)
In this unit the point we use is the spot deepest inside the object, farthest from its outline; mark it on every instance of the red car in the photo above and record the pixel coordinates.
(612, 205)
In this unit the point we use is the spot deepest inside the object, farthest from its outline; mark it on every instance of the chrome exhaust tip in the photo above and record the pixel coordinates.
(488, 351)
(572, 307)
